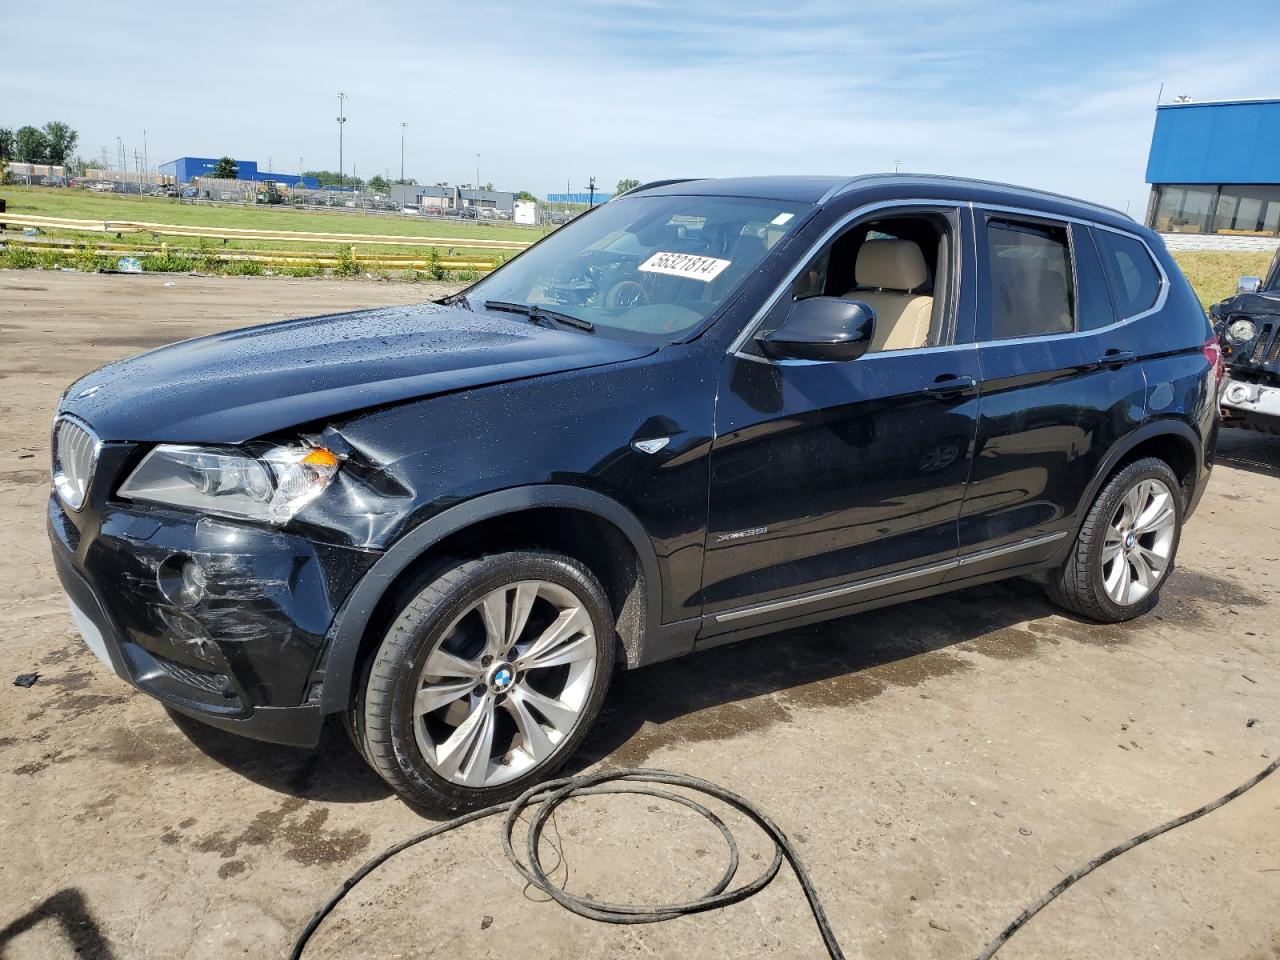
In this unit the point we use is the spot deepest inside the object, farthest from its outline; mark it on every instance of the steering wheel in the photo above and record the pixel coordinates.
(626, 294)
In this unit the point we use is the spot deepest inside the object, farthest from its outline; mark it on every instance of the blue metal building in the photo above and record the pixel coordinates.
(1214, 167)
(186, 169)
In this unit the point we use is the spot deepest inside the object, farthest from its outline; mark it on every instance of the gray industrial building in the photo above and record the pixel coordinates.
(451, 198)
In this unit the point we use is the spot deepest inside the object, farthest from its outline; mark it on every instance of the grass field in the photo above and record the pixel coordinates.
(83, 205)
(1213, 276)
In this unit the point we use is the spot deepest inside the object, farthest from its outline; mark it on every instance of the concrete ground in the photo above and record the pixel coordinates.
(939, 764)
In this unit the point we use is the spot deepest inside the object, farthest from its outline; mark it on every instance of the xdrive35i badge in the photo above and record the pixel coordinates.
(741, 534)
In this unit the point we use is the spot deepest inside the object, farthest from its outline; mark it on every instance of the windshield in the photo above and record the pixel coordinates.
(1271, 284)
(656, 266)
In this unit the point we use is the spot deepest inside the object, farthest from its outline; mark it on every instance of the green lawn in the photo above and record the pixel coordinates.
(83, 205)
(1213, 275)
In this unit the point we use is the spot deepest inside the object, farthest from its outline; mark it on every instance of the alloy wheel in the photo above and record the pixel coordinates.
(1139, 540)
(506, 683)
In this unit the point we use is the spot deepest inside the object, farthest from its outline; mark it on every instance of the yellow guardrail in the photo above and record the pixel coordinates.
(269, 257)
(238, 233)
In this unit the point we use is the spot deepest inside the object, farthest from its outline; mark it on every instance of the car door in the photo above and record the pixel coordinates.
(836, 482)
(1059, 387)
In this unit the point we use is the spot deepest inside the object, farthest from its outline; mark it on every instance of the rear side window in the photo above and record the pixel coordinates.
(1032, 286)
(1131, 273)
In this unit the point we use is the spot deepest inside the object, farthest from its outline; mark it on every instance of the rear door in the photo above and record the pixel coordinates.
(1059, 387)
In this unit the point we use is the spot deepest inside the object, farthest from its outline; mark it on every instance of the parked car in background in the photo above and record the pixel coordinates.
(1248, 326)
(704, 411)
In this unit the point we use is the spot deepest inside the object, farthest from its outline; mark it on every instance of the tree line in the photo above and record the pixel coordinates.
(52, 143)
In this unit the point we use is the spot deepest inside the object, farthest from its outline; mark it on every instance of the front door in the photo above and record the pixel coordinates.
(833, 482)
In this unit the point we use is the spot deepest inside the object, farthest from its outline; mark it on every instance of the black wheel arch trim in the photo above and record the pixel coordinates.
(1148, 431)
(347, 632)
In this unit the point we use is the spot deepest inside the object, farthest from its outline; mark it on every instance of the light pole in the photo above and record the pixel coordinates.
(402, 126)
(341, 120)
(477, 171)
(146, 167)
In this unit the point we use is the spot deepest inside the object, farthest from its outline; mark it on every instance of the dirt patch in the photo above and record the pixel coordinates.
(1011, 643)
(1206, 587)
(301, 838)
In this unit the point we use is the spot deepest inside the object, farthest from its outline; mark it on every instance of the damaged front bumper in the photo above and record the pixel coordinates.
(223, 621)
(1250, 404)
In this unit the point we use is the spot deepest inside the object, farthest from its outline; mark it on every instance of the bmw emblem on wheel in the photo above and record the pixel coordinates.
(502, 679)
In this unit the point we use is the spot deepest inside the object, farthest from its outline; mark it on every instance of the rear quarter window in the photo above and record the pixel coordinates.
(1132, 275)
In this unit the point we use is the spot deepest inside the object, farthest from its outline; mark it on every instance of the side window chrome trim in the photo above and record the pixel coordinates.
(757, 318)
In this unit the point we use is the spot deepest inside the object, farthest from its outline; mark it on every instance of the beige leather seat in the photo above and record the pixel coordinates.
(885, 274)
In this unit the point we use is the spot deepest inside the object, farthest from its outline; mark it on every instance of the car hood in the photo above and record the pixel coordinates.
(1250, 303)
(234, 386)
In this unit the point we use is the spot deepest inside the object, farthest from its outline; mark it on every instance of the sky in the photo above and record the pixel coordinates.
(1058, 95)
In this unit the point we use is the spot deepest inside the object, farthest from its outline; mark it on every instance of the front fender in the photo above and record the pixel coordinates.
(348, 629)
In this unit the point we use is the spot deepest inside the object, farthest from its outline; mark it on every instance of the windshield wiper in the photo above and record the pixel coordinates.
(455, 298)
(536, 313)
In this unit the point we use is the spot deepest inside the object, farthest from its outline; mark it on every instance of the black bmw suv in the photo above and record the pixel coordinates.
(706, 410)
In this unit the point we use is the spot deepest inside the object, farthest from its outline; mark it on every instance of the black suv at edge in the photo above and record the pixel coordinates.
(703, 411)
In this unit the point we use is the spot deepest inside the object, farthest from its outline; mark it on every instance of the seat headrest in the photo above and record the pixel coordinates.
(890, 265)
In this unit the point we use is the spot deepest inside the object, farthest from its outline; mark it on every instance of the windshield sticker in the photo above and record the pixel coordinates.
(781, 218)
(705, 269)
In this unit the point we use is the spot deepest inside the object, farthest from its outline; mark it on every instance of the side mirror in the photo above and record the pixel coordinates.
(822, 328)
(1248, 285)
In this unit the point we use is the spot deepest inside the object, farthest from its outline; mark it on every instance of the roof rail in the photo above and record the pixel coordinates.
(1029, 191)
(657, 183)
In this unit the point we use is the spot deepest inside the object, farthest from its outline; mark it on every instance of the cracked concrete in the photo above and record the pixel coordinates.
(938, 764)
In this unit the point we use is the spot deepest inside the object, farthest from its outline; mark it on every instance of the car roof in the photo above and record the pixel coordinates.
(820, 190)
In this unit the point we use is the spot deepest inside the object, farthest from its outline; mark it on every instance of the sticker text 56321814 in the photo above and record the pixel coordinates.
(685, 265)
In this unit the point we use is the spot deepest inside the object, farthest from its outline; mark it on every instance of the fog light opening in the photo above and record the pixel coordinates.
(182, 580)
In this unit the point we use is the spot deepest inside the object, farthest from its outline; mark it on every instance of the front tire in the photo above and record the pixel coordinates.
(487, 680)
(1126, 547)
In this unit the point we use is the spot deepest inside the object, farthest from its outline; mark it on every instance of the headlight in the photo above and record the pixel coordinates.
(1241, 331)
(230, 483)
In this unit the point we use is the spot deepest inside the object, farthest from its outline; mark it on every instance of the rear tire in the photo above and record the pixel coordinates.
(1126, 547)
(487, 680)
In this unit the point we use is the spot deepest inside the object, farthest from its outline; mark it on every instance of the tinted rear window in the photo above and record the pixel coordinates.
(1032, 283)
(1133, 276)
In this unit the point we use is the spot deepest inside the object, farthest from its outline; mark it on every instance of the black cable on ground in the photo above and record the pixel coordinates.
(1114, 852)
(548, 796)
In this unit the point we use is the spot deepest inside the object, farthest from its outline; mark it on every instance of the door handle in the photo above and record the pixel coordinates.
(1117, 358)
(949, 386)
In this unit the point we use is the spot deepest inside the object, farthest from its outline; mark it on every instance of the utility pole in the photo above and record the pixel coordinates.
(591, 193)
(146, 167)
(341, 120)
(402, 126)
(477, 171)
